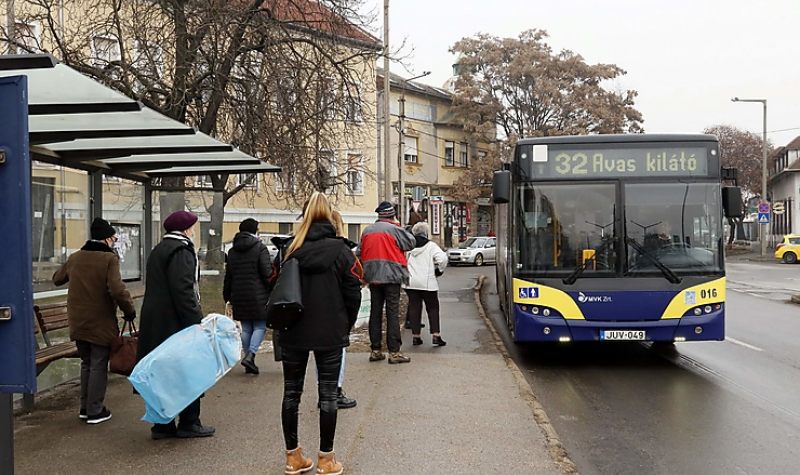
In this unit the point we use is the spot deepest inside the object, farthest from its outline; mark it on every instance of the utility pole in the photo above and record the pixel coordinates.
(763, 228)
(400, 158)
(387, 176)
(401, 148)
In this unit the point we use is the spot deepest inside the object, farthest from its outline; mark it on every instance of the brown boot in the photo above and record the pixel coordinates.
(296, 463)
(327, 464)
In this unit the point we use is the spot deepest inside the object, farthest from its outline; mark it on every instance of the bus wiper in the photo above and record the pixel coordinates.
(570, 279)
(668, 273)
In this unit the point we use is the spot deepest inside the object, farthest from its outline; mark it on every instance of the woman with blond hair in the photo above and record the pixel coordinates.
(331, 291)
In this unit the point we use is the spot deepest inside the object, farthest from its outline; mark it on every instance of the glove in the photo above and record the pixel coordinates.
(129, 317)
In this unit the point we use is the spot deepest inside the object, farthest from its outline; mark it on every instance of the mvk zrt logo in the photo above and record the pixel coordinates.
(583, 298)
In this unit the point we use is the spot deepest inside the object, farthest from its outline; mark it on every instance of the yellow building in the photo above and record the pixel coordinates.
(436, 153)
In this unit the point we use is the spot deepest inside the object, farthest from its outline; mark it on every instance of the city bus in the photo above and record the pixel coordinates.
(613, 238)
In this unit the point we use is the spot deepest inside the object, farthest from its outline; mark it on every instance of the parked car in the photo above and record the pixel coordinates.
(475, 250)
(788, 250)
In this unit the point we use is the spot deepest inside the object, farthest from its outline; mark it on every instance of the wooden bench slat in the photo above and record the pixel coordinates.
(51, 353)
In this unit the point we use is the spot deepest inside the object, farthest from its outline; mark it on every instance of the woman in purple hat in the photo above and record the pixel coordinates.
(172, 303)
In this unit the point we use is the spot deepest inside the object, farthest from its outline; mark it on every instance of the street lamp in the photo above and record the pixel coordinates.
(400, 149)
(762, 227)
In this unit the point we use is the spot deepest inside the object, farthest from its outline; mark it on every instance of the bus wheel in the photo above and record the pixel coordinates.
(479, 260)
(789, 258)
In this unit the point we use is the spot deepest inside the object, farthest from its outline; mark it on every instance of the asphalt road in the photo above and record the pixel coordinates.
(704, 407)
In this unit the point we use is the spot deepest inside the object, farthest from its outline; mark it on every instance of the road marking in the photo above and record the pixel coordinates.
(741, 343)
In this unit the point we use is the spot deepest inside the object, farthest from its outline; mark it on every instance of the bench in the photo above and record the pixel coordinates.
(53, 317)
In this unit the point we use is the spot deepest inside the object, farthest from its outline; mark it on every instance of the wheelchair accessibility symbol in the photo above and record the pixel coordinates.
(529, 292)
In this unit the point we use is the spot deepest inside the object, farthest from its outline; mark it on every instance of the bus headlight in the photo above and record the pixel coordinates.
(707, 309)
(697, 311)
(546, 312)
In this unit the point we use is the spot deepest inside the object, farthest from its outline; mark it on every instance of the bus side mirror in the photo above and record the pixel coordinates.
(501, 187)
(732, 202)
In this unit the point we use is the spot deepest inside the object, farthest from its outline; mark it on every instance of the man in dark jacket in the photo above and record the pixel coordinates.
(382, 250)
(95, 290)
(172, 303)
(246, 287)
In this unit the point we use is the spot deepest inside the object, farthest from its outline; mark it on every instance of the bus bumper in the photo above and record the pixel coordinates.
(706, 327)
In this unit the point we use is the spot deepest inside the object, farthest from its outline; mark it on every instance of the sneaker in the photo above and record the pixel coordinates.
(416, 341)
(397, 358)
(103, 416)
(437, 340)
(82, 415)
(195, 430)
(344, 402)
(376, 355)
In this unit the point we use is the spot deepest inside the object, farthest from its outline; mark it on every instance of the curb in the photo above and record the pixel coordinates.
(554, 446)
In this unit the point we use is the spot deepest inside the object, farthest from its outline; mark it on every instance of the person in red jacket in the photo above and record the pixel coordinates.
(382, 251)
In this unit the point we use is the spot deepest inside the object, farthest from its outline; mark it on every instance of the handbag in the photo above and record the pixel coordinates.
(124, 350)
(285, 304)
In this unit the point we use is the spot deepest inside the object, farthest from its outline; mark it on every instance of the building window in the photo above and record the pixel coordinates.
(27, 37)
(355, 174)
(463, 153)
(410, 150)
(284, 182)
(327, 171)
(249, 180)
(354, 232)
(105, 50)
(449, 153)
(203, 181)
(285, 228)
(148, 61)
(353, 105)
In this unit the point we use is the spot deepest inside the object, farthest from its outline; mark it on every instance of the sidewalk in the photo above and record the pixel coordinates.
(456, 409)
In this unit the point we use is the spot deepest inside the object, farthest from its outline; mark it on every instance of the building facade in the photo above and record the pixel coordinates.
(784, 186)
(435, 153)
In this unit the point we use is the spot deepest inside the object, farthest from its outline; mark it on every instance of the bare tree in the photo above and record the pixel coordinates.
(522, 88)
(743, 151)
(284, 80)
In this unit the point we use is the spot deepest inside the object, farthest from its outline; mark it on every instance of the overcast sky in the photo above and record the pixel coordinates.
(685, 58)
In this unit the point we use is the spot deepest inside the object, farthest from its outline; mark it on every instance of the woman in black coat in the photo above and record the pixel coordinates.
(331, 291)
(246, 287)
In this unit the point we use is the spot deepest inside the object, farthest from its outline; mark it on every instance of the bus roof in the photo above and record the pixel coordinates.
(619, 138)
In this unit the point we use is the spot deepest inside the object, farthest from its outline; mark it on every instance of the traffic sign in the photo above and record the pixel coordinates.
(763, 207)
(763, 218)
(778, 207)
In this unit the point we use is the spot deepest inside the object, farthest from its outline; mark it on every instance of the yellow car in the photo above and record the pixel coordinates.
(789, 250)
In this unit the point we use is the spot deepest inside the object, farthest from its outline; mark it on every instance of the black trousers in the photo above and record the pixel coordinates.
(188, 417)
(94, 376)
(329, 362)
(390, 295)
(415, 299)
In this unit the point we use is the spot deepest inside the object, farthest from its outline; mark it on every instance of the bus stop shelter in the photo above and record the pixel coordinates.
(78, 123)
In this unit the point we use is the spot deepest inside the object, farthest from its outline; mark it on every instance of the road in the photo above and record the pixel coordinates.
(704, 407)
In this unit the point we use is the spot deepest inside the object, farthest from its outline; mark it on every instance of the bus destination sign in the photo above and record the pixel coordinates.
(588, 163)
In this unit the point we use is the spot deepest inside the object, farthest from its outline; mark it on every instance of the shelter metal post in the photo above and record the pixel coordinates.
(95, 195)
(148, 225)
(7, 433)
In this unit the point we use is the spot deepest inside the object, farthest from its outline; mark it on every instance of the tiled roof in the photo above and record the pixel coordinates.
(315, 16)
(412, 86)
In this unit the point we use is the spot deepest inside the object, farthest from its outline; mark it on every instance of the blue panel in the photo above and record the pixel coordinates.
(623, 305)
(17, 350)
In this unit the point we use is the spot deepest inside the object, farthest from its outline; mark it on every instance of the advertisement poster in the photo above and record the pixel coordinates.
(436, 218)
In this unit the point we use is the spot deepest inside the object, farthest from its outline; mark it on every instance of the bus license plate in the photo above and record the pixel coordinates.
(623, 335)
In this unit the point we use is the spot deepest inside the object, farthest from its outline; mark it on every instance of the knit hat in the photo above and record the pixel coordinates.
(101, 229)
(249, 225)
(180, 221)
(385, 210)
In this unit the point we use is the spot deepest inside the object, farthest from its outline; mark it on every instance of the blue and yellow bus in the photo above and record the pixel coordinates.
(613, 237)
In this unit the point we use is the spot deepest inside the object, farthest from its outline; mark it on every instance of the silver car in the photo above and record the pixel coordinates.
(474, 251)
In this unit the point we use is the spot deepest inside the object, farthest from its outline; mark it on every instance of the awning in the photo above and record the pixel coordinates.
(77, 122)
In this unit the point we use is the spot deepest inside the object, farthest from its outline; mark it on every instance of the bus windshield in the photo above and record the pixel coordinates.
(678, 224)
(562, 225)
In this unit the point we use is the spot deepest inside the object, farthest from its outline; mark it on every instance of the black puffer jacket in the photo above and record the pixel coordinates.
(171, 299)
(246, 277)
(331, 282)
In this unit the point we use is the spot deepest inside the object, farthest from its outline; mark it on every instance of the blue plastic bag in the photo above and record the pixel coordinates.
(186, 365)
